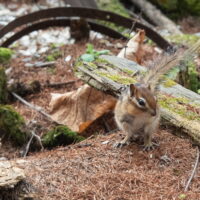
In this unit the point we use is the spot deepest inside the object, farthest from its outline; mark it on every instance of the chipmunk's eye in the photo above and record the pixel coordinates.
(141, 102)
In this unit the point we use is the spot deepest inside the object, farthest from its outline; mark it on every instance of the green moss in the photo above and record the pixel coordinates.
(60, 135)
(168, 83)
(5, 54)
(182, 196)
(186, 39)
(12, 124)
(50, 58)
(179, 106)
(128, 71)
(92, 65)
(118, 78)
(193, 82)
(53, 56)
(102, 61)
(3, 86)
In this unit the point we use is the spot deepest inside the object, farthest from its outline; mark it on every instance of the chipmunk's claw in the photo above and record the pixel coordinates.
(150, 147)
(120, 144)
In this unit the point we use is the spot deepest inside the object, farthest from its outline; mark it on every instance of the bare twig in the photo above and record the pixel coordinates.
(32, 125)
(156, 16)
(28, 146)
(34, 107)
(132, 27)
(193, 172)
(38, 139)
(41, 64)
(58, 85)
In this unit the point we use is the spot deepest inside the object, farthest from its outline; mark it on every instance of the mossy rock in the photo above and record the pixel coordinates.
(59, 136)
(5, 55)
(12, 124)
(3, 86)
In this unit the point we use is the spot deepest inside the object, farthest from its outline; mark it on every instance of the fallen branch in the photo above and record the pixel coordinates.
(33, 134)
(28, 146)
(59, 85)
(33, 107)
(156, 16)
(40, 64)
(193, 172)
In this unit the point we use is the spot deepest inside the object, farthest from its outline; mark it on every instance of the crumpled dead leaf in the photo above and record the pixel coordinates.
(133, 50)
(78, 109)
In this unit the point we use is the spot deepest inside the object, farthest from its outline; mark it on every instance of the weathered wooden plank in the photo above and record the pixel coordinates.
(171, 89)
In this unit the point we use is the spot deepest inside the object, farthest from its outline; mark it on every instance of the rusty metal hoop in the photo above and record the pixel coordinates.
(88, 13)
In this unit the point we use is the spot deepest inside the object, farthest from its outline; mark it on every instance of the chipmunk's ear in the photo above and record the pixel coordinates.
(133, 90)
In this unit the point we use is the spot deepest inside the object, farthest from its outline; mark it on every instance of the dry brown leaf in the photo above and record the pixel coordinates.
(133, 49)
(78, 109)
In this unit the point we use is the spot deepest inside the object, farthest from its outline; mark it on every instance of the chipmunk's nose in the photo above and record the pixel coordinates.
(153, 112)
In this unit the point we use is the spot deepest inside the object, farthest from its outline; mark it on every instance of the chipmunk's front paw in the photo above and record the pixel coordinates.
(150, 146)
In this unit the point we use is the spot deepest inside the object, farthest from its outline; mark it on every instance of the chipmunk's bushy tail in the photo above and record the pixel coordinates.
(163, 65)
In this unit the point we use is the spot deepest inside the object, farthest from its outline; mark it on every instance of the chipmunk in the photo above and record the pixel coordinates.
(137, 111)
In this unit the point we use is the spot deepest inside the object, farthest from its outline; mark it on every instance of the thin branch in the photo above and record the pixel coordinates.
(193, 172)
(28, 146)
(38, 139)
(34, 107)
(131, 30)
(41, 64)
(59, 85)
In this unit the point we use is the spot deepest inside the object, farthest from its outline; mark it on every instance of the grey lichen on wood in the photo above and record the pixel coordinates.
(180, 106)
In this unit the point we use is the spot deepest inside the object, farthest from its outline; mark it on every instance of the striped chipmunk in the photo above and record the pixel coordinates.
(137, 111)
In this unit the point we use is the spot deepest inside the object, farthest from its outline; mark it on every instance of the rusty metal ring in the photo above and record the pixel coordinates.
(86, 13)
(60, 23)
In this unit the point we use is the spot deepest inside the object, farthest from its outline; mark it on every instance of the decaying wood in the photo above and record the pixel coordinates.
(10, 174)
(156, 16)
(112, 73)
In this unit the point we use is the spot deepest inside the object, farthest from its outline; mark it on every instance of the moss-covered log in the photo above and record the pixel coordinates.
(180, 106)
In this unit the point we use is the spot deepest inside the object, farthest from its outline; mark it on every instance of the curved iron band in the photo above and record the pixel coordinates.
(86, 13)
(60, 22)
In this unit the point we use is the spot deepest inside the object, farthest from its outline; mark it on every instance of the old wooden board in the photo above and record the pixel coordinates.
(180, 107)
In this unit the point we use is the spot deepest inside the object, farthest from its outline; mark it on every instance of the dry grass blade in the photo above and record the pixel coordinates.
(163, 65)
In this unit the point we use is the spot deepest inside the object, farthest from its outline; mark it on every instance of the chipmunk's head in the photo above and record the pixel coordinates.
(143, 97)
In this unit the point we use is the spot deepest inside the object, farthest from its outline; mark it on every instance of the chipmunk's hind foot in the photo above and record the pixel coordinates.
(121, 144)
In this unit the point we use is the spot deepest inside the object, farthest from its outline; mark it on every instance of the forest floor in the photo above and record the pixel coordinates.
(94, 169)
